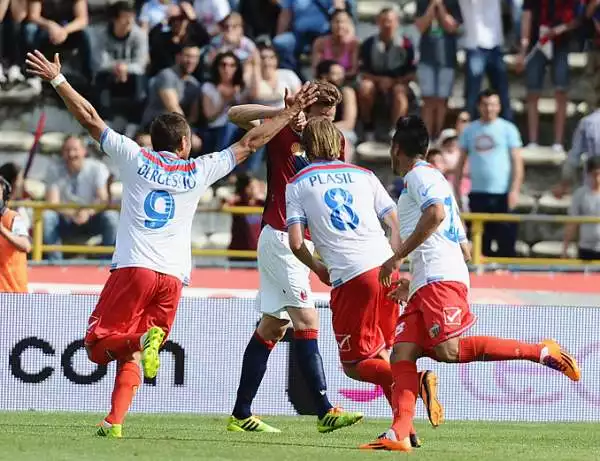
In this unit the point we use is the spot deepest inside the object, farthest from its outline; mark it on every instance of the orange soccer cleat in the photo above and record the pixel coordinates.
(389, 442)
(553, 356)
(429, 395)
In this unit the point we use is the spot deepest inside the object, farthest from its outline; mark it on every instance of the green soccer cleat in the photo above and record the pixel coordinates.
(337, 418)
(151, 342)
(112, 431)
(250, 424)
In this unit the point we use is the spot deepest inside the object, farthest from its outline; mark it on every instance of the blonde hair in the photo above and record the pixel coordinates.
(321, 139)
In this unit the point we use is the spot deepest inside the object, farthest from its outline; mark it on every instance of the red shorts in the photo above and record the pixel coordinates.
(133, 300)
(364, 319)
(435, 313)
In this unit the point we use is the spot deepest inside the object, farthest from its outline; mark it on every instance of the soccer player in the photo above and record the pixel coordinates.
(152, 259)
(437, 312)
(284, 293)
(343, 205)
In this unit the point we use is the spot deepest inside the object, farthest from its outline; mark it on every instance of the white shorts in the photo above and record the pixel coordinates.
(284, 280)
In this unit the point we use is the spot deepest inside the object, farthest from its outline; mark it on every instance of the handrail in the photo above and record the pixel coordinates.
(477, 225)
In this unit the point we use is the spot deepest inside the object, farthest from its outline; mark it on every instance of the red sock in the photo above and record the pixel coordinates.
(115, 347)
(377, 371)
(489, 348)
(404, 397)
(127, 381)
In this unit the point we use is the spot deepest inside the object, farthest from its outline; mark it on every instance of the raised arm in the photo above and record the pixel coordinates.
(77, 105)
(248, 116)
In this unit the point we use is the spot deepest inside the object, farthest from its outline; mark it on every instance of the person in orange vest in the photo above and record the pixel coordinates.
(14, 245)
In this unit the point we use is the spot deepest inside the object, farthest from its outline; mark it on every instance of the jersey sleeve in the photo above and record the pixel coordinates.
(384, 204)
(294, 211)
(212, 167)
(427, 188)
(119, 147)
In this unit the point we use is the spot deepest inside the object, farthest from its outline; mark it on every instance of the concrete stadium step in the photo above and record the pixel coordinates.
(199, 240)
(35, 188)
(526, 204)
(522, 248)
(546, 106)
(16, 140)
(552, 249)
(577, 61)
(373, 151)
(552, 205)
(542, 155)
(116, 191)
(219, 240)
(51, 143)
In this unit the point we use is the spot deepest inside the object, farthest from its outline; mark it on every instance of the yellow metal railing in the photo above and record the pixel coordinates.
(477, 221)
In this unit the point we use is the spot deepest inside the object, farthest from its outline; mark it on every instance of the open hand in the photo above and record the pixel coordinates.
(387, 269)
(38, 65)
(306, 97)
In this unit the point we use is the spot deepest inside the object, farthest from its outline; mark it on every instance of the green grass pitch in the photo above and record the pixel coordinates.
(33, 436)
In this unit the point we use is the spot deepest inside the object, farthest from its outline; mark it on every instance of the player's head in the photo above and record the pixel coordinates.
(593, 171)
(13, 173)
(73, 153)
(329, 97)
(321, 139)
(171, 133)
(409, 144)
(489, 105)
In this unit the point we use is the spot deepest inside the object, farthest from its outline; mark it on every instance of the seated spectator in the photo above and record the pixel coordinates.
(260, 17)
(166, 39)
(155, 12)
(232, 38)
(225, 89)
(245, 229)
(268, 82)
(81, 180)
(124, 55)
(175, 89)
(59, 25)
(341, 45)
(438, 22)
(387, 68)
(346, 111)
(543, 20)
(210, 13)
(586, 202)
(14, 245)
(14, 175)
(299, 24)
(493, 147)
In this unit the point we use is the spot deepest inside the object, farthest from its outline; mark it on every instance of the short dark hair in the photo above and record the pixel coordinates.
(339, 11)
(122, 6)
(167, 131)
(488, 92)
(238, 77)
(10, 171)
(593, 163)
(412, 136)
(324, 67)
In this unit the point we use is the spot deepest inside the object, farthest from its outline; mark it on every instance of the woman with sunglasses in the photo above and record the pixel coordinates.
(269, 82)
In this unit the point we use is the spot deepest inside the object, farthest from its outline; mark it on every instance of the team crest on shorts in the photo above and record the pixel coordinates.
(303, 295)
(452, 316)
(400, 328)
(434, 331)
(343, 342)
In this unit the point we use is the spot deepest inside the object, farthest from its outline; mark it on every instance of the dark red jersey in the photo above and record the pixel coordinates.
(285, 158)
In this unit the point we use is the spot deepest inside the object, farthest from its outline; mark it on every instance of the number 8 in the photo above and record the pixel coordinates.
(158, 219)
(343, 217)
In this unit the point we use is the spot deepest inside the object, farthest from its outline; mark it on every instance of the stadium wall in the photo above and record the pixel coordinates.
(43, 365)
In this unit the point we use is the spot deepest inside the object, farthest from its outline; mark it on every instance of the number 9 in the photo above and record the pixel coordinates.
(157, 219)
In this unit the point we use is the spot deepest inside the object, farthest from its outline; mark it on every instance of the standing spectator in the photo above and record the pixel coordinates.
(210, 13)
(387, 68)
(493, 147)
(548, 22)
(260, 17)
(124, 55)
(439, 22)
(166, 39)
(586, 202)
(299, 24)
(175, 89)
(346, 111)
(14, 246)
(245, 229)
(269, 82)
(586, 141)
(483, 39)
(81, 180)
(341, 45)
(592, 70)
(58, 25)
(225, 89)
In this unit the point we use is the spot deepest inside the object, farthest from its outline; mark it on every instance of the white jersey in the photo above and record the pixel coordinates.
(342, 206)
(439, 258)
(160, 197)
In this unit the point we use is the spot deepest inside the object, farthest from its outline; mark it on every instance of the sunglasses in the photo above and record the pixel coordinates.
(227, 64)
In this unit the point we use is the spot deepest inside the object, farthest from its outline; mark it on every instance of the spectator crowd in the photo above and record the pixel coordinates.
(201, 57)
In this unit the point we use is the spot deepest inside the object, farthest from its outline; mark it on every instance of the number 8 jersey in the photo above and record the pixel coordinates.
(342, 205)
(440, 257)
(160, 197)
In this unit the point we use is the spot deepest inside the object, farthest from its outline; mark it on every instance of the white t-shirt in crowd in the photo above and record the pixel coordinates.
(342, 205)
(210, 90)
(439, 258)
(269, 96)
(160, 197)
(211, 12)
(482, 23)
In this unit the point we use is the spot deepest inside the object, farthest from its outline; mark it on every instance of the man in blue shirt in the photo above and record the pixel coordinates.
(493, 147)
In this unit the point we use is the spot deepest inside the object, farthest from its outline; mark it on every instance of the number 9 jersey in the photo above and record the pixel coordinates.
(439, 258)
(160, 197)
